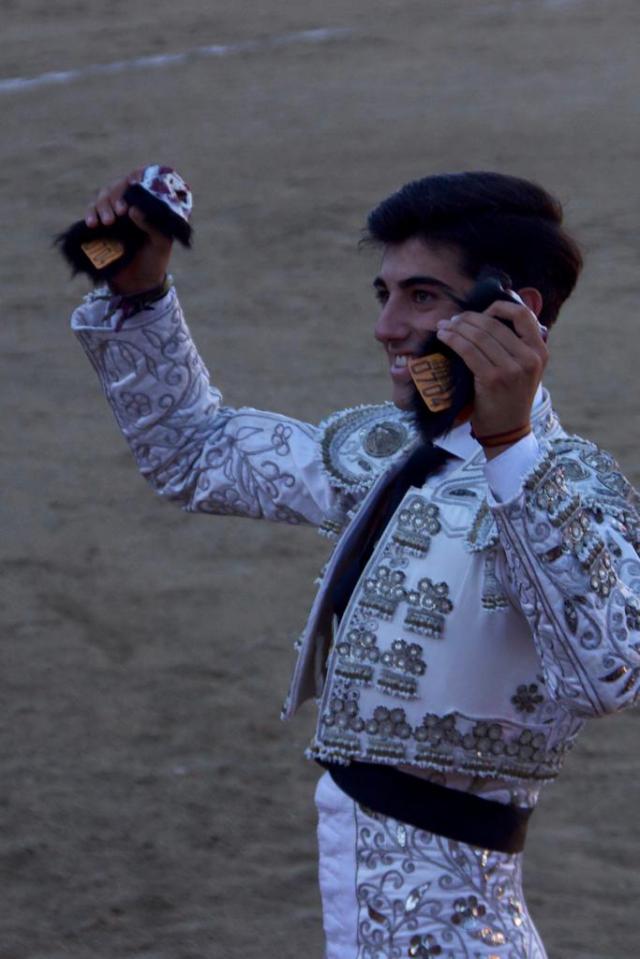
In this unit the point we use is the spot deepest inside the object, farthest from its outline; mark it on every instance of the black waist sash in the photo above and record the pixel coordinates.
(433, 808)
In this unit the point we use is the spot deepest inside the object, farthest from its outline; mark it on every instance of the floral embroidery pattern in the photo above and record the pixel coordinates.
(383, 590)
(343, 714)
(388, 723)
(424, 947)
(527, 698)
(416, 522)
(196, 452)
(421, 895)
(438, 742)
(403, 664)
(428, 605)
(280, 439)
(570, 494)
(466, 909)
(357, 655)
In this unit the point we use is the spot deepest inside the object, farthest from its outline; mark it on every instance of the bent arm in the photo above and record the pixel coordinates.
(193, 450)
(571, 539)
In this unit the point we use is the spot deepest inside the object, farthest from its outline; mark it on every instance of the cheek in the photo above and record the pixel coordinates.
(427, 322)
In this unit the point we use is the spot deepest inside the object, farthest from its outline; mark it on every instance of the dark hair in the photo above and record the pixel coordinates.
(495, 221)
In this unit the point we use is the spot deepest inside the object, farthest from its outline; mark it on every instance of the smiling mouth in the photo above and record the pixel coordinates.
(400, 361)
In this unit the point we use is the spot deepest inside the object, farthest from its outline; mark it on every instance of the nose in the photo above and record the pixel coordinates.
(390, 325)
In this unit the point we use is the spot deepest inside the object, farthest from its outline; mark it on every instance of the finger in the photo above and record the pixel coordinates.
(528, 350)
(524, 320)
(480, 351)
(487, 357)
(527, 341)
(90, 216)
(106, 211)
(119, 187)
(109, 203)
(101, 210)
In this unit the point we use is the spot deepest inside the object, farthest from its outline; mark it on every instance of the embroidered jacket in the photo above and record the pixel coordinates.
(481, 634)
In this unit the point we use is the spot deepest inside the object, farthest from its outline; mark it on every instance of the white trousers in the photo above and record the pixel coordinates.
(391, 891)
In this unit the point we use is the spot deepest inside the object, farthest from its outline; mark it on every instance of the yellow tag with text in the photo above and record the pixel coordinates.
(432, 377)
(103, 252)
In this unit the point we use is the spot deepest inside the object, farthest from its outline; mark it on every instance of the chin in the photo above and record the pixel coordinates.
(403, 398)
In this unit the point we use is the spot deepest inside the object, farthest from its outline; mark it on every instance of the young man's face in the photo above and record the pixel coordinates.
(413, 287)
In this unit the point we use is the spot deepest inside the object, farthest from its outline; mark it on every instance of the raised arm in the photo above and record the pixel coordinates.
(193, 450)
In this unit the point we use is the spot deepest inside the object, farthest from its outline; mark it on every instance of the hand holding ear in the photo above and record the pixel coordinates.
(507, 366)
(150, 265)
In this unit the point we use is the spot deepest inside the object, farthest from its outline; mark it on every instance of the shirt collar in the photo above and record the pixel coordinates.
(459, 441)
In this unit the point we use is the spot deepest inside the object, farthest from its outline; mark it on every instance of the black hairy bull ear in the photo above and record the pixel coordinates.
(102, 251)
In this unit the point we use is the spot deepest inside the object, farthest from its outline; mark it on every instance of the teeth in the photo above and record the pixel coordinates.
(399, 362)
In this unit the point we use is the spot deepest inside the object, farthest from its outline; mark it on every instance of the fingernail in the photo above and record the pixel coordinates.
(90, 220)
(121, 206)
(444, 324)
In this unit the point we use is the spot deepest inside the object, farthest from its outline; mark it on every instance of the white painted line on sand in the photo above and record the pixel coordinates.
(319, 35)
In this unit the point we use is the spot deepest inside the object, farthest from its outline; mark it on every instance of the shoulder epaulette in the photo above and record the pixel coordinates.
(359, 444)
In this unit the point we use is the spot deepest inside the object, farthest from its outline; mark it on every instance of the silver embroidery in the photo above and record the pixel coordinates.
(421, 895)
(357, 655)
(387, 729)
(493, 596)
(447, 743)
(383, 589)
(357, 445)
(384, 439)
(402, 665)
(429, 603)
(416, 522)
(584, 619)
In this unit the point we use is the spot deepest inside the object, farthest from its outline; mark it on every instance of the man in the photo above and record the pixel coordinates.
(482, 600)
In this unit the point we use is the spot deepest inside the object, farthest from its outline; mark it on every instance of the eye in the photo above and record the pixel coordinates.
(381, 295)
(423, 297)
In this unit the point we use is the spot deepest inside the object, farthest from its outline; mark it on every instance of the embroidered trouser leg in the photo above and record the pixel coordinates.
(391, 891)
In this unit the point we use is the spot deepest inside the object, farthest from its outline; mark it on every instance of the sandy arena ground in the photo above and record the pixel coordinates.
(153, 806)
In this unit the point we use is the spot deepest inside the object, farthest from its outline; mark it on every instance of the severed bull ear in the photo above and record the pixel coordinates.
(101, 252)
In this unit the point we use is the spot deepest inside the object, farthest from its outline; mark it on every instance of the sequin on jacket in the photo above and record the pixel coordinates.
(481, 635)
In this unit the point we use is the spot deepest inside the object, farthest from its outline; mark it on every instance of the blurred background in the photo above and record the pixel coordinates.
(153, 806)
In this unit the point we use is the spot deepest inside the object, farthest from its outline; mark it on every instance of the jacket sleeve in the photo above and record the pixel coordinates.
(193, 450)
(571, 540)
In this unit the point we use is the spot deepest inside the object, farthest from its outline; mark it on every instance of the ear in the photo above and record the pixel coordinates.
(532, 298)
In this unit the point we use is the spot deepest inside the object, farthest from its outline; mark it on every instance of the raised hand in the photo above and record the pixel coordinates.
(507, 366)
(149, 267)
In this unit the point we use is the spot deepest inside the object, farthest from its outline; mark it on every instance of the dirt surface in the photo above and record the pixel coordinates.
(153, 806)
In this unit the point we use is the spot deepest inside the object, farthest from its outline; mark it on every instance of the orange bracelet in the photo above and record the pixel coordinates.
(503, 439)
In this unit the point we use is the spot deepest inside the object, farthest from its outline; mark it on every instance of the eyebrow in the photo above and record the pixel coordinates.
(420, 280)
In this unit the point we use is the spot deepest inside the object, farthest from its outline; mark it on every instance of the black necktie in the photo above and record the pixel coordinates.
(426, 459)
